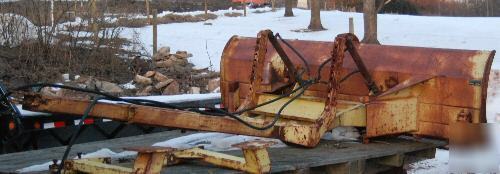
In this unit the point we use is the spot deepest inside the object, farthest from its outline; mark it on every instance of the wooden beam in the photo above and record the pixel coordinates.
(396, 160)
(425, 154)
(351, 167)
(145, 115)
(155, 31)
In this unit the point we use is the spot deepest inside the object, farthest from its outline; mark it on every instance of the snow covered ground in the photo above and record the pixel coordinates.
(437, 165)
(444, 32)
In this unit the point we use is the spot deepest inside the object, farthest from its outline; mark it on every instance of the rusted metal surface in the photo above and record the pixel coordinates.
(149, 160)
(255, 157)
(440, 79)
(352, 43)
(256, 144)
(90, 166)
(382, 61)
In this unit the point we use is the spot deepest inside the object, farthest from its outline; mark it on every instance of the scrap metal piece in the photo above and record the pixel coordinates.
(444, 81)
(150, 160)
(92, 166)
(255, 157)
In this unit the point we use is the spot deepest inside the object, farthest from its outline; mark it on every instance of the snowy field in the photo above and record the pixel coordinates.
(440, 32)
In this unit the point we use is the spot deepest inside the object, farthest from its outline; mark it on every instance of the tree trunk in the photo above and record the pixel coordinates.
(273, 5)
(206, 8)
(315, 23)
(370, 21)
(288, 8)
(244, 8)
(147, 11)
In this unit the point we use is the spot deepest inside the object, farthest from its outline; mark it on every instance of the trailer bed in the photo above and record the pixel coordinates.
(328, 155)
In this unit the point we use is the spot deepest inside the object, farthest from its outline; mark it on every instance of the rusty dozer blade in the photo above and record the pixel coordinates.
(297, 90)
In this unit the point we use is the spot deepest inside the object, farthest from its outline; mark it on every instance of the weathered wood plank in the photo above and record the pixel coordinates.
(282, 159)
(13, 161)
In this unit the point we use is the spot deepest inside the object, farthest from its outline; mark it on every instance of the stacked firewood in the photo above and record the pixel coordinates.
(153, 82)
(164, 59)
(172, 73)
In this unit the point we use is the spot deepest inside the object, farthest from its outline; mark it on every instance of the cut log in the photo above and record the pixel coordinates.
(213, 84)
(171, 89)
(142, 80)
(160, 85)
(194, 90)
(149, 74)
(164, 63)
(181, 54)
(162, 54)
(164, 50)
(160, 77)
(210, 75)
(145, 92)
(108, 87)
(48, 92)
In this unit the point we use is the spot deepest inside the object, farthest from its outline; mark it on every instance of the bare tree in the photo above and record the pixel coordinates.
(315, 23)
(370, 10)
(273, 5)
(288, 8)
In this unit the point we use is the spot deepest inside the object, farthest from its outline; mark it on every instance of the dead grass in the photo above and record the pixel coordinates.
(233, 14)
(167, 19)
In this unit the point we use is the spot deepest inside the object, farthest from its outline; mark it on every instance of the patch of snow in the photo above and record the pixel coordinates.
(65, 77)
(26, 113)
(212, 141)
(129, 85)
(105, 152)
(437, 165)
(493, 109)
(216, 90)
(56, 88)
(179, 98)
(344, 133)
(15, 29)
(37, 168)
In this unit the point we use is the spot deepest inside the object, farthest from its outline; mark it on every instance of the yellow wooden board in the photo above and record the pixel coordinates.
(303, 109)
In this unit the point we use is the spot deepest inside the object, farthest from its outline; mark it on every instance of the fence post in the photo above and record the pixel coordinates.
(52, 13)
(206, 8)
(147, 11)
(155, 31)
(94, 16)
(244, 8)
(273, 4)
(351, 25)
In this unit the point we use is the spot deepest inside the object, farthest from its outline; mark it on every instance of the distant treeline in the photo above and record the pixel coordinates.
(425, 7)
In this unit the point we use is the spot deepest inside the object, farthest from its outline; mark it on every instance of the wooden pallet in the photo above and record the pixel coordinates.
(327, 156)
